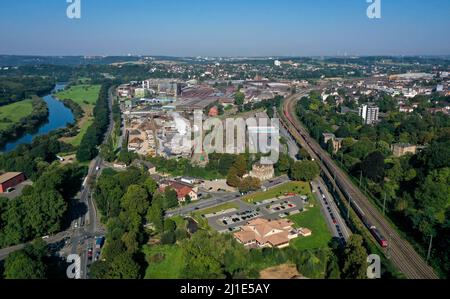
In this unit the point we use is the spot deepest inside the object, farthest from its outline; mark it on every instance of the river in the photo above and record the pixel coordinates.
(59, 117)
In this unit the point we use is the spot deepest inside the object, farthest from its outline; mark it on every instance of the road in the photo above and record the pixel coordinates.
(401, 253)
(336, 225)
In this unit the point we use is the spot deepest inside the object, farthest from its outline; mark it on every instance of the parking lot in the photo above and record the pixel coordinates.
(272, 209)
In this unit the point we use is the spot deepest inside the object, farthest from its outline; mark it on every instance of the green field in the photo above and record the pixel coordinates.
(83, 95)
(314, 220)
(13, 113)
(86, 96)
(301, 188)
(170, 267)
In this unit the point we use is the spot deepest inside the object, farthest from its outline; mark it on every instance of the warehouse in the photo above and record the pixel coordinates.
(10, 180)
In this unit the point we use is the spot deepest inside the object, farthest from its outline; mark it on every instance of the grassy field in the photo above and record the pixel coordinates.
(171, 265)
(86, 96)
(13, 113)
(301, 188)
(314, 220)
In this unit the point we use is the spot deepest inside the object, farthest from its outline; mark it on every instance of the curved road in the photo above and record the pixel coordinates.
(401, 253)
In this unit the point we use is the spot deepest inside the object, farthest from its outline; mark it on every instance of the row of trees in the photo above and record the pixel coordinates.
(95, 133)
(210, 255)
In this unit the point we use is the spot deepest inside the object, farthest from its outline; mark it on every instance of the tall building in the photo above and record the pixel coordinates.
(369, 114)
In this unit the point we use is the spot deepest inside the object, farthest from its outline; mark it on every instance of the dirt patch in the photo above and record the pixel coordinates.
(285, 271)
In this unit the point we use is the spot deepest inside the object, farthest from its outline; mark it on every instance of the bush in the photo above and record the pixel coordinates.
(168, 238)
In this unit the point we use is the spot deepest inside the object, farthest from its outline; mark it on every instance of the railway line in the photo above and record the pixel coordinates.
(401, 253)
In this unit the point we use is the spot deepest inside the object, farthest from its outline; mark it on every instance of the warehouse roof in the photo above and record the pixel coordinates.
(7, 176)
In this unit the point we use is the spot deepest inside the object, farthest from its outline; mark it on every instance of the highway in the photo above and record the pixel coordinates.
(401, 253)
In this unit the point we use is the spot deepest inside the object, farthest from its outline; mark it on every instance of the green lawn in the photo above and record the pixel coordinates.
(301, 188)
(314, 220)
(86, 96)
(13, 113)
(171, 265)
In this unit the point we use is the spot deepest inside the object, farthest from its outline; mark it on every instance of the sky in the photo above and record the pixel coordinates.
(225, 28)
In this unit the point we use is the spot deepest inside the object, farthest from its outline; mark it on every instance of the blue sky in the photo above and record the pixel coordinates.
(225, 27)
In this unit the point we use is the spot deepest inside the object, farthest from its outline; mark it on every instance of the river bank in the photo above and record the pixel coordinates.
(57, 116)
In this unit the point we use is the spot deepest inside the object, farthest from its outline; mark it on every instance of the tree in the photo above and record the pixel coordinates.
(27, 263)
(355, 259)
(126, 157)
(169, 225)
(168, 238)
(151, 186)
(123, 267)
(239, 98)
(240, 164)
(107, 151)
(305, 171)
(433, 195)
(171, 198)
(373, 167)
(249, 184)
(155, 214)
(284, 163)
(233, 179)
(303, 154)
(136, 200)
(203, 254)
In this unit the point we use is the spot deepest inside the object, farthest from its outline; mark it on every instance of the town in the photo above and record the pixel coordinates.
(195, 145)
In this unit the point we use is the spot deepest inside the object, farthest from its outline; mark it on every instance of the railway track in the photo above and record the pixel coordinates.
(401, 253)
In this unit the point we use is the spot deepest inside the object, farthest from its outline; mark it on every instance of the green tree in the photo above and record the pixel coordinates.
(305, 171)
(123, 267)
(239, 98)
(136, 200)
(373, 167)
(171, 198)
(233, 179)
(249, 184)
(355, 259)
(26, 264)
(240, 165)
